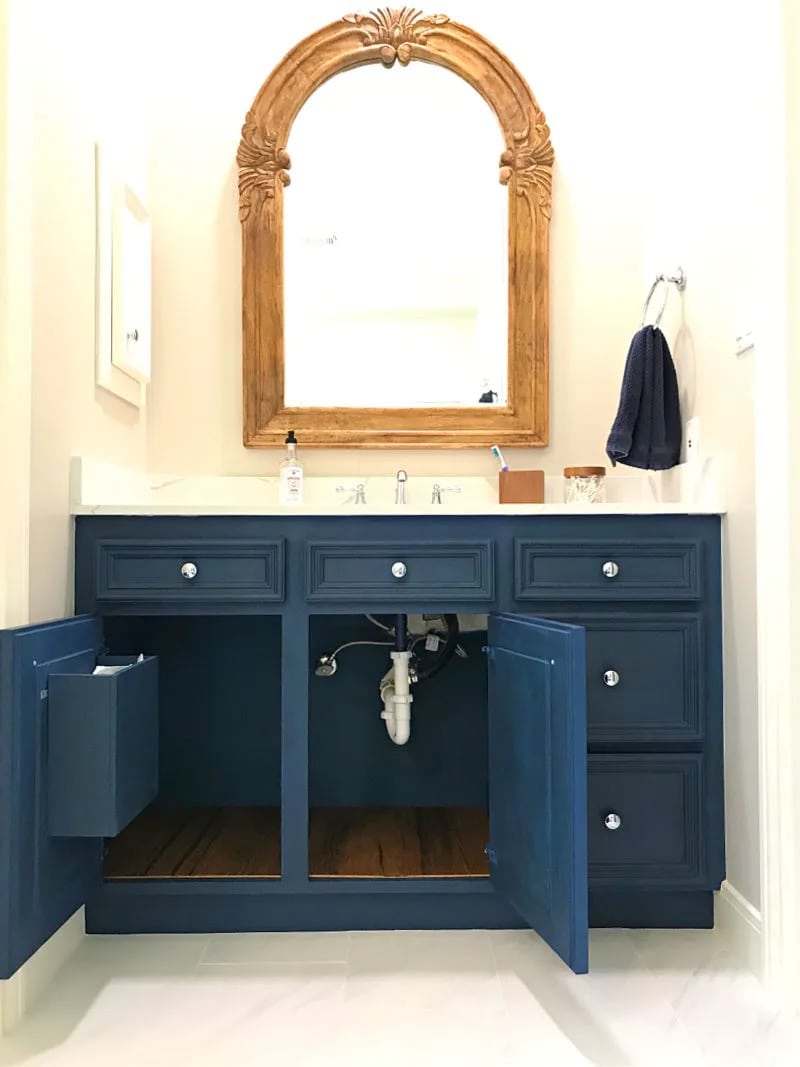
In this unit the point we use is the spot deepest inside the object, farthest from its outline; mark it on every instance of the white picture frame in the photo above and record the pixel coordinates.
(123, 285)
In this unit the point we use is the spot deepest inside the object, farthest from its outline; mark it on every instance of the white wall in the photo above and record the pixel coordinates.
(80, 85)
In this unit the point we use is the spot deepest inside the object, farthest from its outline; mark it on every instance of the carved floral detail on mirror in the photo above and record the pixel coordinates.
(261, 164)
(395, 30)
(528, 162)
(387, 36)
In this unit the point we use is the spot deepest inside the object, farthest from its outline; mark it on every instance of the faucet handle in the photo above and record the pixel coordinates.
(359, 489)
(436, 493)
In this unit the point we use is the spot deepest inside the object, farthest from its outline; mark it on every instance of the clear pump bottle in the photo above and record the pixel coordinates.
(291, 474)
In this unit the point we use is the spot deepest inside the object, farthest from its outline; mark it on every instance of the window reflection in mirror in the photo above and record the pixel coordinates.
(395, 244)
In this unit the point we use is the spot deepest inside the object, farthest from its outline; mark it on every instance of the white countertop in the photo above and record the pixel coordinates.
(99, 488)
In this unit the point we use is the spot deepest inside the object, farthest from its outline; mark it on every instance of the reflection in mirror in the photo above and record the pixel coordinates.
(395, 244)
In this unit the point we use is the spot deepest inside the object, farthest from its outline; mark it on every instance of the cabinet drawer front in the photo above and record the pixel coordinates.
(102, 748)
(644, 678)
(183, 571)
(655, 803)
(363, 570)
(617, 570)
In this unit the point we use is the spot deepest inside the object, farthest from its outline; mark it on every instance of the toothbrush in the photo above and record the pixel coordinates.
(498, 455)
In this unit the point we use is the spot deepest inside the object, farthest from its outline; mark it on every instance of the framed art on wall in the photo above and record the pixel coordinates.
(123, 285)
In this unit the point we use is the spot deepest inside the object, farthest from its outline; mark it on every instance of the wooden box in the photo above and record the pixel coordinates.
(521, 487)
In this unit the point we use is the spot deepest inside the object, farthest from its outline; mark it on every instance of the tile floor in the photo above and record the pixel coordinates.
(494, 999)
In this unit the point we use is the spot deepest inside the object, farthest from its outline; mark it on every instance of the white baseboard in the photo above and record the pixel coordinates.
(19, 993)
(739, 921)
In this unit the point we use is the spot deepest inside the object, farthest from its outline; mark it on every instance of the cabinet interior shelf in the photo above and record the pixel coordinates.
(198, 843)
(244, 842)
(396, 842)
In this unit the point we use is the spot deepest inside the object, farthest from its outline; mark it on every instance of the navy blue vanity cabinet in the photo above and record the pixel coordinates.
(566, 773)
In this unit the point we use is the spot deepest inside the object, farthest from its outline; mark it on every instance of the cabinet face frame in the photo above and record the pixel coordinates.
(386, 37)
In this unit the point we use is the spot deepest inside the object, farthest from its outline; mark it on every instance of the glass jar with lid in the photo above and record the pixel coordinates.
(584, 485)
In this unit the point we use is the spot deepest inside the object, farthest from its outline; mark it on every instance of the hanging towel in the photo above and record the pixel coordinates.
(647, 430)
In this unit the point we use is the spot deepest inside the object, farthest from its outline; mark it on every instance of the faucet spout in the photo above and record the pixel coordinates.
(400, 488)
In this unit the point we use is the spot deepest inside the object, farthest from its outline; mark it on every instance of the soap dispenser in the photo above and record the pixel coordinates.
(291, 473)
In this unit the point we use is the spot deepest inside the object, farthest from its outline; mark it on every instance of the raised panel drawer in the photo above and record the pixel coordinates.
(102, 747)
(644, 678)
(456, 571)
(617, 570)
(188, 570)
(645, 820)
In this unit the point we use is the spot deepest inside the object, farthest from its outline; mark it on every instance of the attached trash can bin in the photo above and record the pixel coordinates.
(102, 747)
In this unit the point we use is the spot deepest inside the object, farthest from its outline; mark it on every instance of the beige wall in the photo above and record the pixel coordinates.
(15, 319)
(79, 95)
(716, 84)
(205, 74)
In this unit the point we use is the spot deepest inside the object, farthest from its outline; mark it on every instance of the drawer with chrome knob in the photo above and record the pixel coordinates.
(644, 676)
(189, 570)
(383, 571)
(645, 819)
(647, 569)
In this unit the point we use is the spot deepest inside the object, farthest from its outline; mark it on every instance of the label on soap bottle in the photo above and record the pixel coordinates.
(291, 485)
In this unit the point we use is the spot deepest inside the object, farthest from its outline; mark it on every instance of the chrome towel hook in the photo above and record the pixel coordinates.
(678, 279)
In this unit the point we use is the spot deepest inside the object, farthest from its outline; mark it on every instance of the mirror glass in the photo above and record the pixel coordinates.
(395, 244)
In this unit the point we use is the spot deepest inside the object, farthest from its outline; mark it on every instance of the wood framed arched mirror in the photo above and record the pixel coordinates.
(425, 367)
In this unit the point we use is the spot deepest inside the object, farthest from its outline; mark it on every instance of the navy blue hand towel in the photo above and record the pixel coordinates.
(647, 430)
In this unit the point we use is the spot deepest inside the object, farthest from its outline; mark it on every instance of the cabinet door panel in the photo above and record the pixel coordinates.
(537, 777)
(43, 879)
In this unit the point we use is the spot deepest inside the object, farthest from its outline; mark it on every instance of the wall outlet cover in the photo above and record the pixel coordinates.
(692, 438)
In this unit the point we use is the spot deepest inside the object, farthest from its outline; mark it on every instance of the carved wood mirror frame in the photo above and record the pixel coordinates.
(388, 36)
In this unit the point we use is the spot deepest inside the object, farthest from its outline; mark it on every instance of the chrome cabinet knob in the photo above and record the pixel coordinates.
(612, 821)
(611, 678)
(399, 569)
(610, 569)
(189, 571)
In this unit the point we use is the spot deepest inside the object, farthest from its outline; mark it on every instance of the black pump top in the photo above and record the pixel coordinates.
(291, 439)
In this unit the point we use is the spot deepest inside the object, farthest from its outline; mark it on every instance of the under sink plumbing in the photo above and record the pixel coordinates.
(408, 666)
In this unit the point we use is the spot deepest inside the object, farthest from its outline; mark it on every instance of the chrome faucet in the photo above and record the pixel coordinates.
(400, 488)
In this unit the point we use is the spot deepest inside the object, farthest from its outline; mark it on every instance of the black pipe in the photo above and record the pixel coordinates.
(444, 656)
(400, 633)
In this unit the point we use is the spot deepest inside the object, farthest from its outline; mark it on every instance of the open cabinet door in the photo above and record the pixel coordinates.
(43, 879)
(537, 778)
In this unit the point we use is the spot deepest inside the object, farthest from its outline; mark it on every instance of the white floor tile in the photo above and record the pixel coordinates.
(440, 998)
(277, 948)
